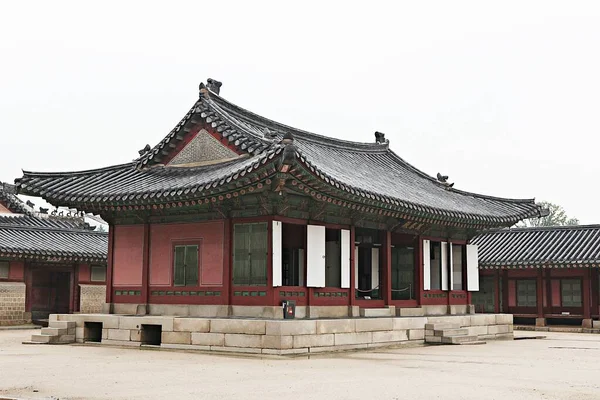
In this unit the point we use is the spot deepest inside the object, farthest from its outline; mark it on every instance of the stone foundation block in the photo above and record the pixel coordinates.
(389, 336)
(483, 319)
(277, 342)
(410, 312)
(243, 340)
(246, 326)
(341, 339)
(136, 322)
(416, 334)
(504, 319)
(478, 330)
(435, 310)
(172, 346)
(353, 311)
(457, 309)
(127, 343)
(336, 326)
(208, 339)
(327, 312)
(80, 332)
(104, 333)
(269, 312)
(136, 335)
(336, 348)
(504, 336)
(313, 340)
(409, 323)
(191, 325)
(374, 324)
(494, 329)
(586, 323)
(119, 334)
(596, 324)
(284, 352)
(251, 350)
(540, 322)
(124, 308)
(176, 337)
(291, 327)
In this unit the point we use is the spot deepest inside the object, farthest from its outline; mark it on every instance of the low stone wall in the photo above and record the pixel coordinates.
(12, 304)
(283, 337)
(92, 298)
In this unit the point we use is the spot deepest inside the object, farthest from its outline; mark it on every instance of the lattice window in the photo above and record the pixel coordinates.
(526, 293)
(570, 290)
(186, 265)
(250, 254)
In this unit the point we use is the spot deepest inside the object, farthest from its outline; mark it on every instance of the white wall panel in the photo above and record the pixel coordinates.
(345, 238)
(472, 268)
(426, 265)
(315, 255)
(277, 253)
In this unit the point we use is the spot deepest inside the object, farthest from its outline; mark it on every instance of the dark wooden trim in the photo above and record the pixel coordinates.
(352, 265)
(419, 265)
(387, 267)
(497, 286)
(109, 266)
(227, 260)
(539, 293)
(586, 294)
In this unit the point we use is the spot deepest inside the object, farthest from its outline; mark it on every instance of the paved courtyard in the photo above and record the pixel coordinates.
(562, 366)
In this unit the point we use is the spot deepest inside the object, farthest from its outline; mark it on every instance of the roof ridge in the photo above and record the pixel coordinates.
(306, 135)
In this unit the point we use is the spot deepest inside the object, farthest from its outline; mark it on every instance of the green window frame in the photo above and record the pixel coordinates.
(186, 264)
(98, 273)
(526, 293)
(250, 254)
(4, 269)
(570, 292)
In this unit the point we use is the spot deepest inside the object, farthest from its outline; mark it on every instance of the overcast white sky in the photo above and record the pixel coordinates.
(502, 96)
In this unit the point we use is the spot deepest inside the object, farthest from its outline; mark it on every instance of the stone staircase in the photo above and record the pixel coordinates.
(444, 333)
(58, 332)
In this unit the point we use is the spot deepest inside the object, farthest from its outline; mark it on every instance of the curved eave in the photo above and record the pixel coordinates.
(529, 208)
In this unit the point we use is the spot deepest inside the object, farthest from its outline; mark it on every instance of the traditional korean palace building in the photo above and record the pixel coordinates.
(549, 274)
(232, 213)
(48, 264)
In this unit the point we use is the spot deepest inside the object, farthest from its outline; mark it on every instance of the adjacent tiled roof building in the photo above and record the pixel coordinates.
(24, 235)
(367, 173)
(547, 247)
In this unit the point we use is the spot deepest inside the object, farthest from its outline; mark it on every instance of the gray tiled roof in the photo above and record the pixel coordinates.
(23, 237)
(10, 200)
(369, 170)
(540, 247)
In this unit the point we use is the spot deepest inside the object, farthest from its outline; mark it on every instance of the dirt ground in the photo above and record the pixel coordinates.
(562, 366)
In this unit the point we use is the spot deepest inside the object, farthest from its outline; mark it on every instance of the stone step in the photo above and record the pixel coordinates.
(433, 339)
(44, 338)
(66, 339)
(458, 339)
(451, 332)
(441, 325)
(54, 331)
(377, 312)
(62, 324)
(477, 342)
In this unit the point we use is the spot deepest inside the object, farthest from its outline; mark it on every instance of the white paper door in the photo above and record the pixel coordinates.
(472, 268)
(374, 267)
(426, 265)
(277, 251)
(315, 255)
(345, 237)
(444, 256)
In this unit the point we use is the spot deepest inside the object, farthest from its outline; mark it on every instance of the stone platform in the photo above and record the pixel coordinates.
(275, 337)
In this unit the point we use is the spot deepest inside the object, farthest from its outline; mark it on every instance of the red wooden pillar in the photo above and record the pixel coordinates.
(497, 286)
(352, 265)
(540, 293)
(387, 268)
(146, 266)
(419, 279)
(227, 262)
(109, 266)
(504, 275)
(586, 298)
